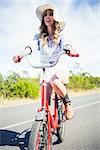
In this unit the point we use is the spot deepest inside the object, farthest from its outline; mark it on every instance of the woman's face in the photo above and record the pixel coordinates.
(48, 18)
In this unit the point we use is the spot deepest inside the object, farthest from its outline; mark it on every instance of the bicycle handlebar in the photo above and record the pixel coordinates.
(28, 51)
(51, 63)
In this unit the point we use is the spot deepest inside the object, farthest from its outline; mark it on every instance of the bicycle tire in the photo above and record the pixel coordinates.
(39, 136)
(61, 122)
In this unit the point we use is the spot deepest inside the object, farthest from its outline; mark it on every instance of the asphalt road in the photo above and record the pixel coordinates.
(82, 132)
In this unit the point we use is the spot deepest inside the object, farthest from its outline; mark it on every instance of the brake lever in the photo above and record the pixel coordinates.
(29, 48)
(67, 51)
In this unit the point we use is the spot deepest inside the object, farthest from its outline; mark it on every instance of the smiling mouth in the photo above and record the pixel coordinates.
(48, 21)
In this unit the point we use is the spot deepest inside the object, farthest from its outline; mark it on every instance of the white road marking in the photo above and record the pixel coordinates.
(86, 105)
(24, 122)
(17, 124)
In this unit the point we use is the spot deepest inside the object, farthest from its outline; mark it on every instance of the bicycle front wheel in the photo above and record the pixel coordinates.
(39, 136)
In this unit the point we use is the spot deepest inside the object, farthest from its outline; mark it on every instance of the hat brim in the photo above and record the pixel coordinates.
(41, 9)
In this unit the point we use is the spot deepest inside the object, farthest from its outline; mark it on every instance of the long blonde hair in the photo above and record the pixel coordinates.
(44, 32)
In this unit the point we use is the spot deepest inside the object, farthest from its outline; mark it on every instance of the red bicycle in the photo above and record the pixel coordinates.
(45, 123)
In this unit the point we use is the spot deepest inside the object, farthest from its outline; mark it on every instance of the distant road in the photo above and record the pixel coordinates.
(82, 132)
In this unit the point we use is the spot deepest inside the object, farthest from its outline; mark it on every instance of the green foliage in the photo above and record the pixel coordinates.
(82, 82)
(1, 85)
(26, 88)
(15, 86)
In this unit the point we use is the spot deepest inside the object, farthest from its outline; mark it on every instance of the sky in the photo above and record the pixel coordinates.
(18, 25)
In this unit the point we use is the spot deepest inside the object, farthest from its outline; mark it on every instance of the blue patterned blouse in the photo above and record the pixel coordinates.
(49, 52)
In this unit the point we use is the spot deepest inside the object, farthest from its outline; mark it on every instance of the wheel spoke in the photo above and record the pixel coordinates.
(37, 141)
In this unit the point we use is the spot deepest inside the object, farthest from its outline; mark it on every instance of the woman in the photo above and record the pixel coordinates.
(50, 44)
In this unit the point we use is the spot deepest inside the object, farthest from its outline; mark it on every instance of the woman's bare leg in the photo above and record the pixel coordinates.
(60, 89)
(58, 86)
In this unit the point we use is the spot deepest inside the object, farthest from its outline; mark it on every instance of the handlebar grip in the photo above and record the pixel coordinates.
(17, 59)
(73, 55)
(77, 55)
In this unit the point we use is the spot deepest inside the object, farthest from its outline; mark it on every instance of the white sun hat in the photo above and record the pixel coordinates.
(40, 10)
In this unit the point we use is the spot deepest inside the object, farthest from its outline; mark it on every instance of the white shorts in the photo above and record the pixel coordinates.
(60, 71)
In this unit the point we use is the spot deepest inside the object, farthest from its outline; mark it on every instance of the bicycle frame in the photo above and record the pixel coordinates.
(45, 105)
(52, 120)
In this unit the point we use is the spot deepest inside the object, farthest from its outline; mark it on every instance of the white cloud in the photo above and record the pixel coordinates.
(84, 36)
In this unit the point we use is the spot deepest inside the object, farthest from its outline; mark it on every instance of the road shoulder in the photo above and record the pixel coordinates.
(16, 102)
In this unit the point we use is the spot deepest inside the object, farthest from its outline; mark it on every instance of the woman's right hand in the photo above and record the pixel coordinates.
(17, 59)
